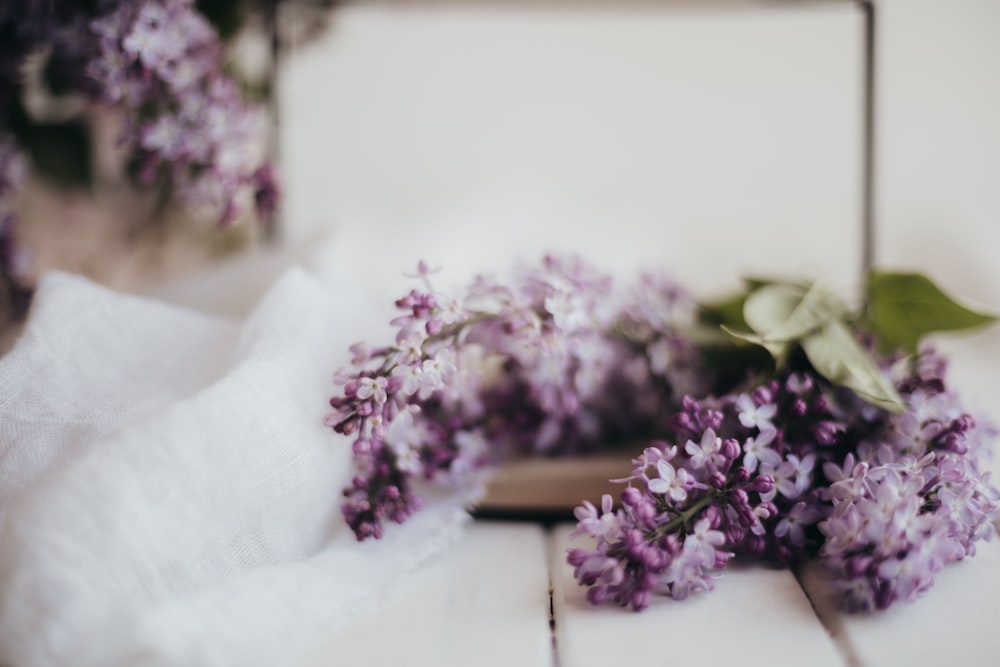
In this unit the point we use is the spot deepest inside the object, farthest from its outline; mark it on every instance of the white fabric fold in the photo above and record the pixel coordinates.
(168, 493)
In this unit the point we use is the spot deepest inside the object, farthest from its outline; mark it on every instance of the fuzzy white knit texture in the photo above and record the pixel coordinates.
(168, 493)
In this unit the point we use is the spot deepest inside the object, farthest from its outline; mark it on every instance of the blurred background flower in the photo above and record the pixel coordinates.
(122, 122)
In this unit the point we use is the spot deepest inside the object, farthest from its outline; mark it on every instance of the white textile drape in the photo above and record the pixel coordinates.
(168, 493)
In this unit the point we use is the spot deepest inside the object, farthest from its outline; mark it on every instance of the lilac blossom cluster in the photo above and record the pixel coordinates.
(913, 497)
(159, 65)
(525, 367)
(190, 128)
(557, 361)
(793, 467)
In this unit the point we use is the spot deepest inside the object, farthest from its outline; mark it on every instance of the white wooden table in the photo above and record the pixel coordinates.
(505, 596)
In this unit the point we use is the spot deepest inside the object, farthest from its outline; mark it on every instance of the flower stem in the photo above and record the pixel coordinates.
(684, 517)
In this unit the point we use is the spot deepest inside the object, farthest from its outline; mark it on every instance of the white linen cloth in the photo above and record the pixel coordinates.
(168, 492)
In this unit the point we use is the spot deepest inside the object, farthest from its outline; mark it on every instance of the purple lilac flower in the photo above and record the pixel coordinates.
(194, 130)
(526, 367)
(159, 62)
(653, 318)
(780, 470)
(671, 534)
(915, 500)
(886, 500)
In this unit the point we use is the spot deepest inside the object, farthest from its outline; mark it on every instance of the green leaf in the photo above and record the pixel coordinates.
(783, 313)
(755, 283)
(903, 307)
(838, 357)
(778, 349)
(727, 311)
(733, 364)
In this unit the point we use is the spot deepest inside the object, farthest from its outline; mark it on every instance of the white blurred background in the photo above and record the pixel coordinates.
(711, 142)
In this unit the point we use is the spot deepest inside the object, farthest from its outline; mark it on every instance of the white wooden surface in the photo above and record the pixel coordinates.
(485, 603)
(953, 624)
(755, 617)
(488, 602)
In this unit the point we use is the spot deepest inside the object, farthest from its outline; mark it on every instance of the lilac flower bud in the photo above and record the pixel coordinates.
(858, 565)
(763, 395)
(634, 541)
(825, 432)
(333, 419)
(798, 408)
(651, 557)
(407, 301)
(953, 442)
(347, 427)
(631, 496)
(434, 326)
(365, 530)
(755, 545)
(640, 599)
(730, 449)
(798, 383)
(394, 384)
(741, 475)
(735, 533)
(423, 306)
(683, 422)
(717, 479)
(721, 559)
(597, 594)
(361, 446)
(670, 544)
(391, 410)
(711, 514)
(644, 512)
(739, 498)
(576, 556)
(713, 419)
(744, 515)
(763, 484)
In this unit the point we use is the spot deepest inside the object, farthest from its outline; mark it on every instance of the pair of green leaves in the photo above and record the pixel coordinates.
(902, 308)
